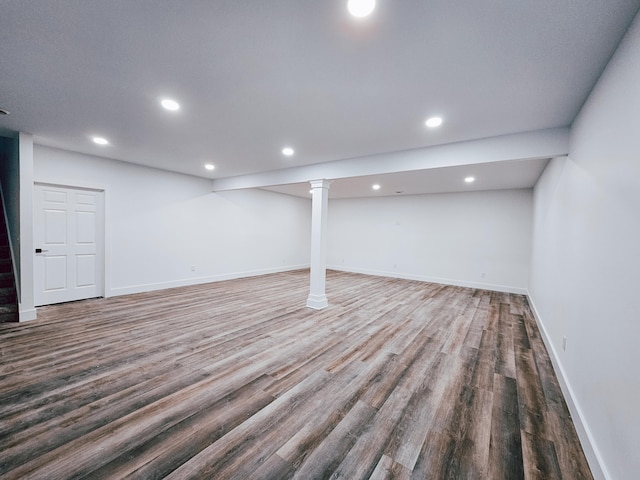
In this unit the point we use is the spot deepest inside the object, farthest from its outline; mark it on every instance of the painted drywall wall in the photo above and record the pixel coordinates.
(161, 224)
(26, 303)
(585, 264)
(476, 239)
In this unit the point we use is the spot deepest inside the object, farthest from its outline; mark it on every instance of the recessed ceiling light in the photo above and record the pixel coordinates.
(470, 179)
(209, 166)
(375, 186)
(361, 8)
(169, 104)
(100, 140)
(433, 122)
(288, 151)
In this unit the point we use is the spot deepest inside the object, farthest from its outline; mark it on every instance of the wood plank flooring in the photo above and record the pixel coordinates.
(396, 379)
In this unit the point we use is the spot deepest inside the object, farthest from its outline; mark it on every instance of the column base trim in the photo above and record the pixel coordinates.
(317, 302)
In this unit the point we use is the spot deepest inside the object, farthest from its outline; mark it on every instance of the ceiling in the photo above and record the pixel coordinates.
(253, 77)
(487, 176)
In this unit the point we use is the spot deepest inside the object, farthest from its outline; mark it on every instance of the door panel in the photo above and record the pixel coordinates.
(85, 270)
(55, 223)
(69, 231)
(85, 227)
(55, 268)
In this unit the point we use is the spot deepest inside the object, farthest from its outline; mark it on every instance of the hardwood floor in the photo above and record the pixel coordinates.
(396, 379)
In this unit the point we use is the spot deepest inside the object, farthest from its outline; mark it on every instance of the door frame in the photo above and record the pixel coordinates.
(102, 233)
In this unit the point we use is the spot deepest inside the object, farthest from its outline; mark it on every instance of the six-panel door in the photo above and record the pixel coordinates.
(68, 236)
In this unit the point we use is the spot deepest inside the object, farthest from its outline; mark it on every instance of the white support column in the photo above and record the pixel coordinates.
(320, 202)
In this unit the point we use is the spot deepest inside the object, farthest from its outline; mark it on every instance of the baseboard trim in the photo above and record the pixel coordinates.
(27, 314)
(317, 302)
(596, 463)
(424, 278)
(150, 287)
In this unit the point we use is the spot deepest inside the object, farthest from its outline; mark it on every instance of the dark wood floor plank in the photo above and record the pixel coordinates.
(329, 411)
(323, 460)
(564, 434)
(505, 364)
(396, 379)
(539, 457)
(158, 456)
(470, 432)
(474, 333)
(505, 449)
(388, 469)
(387, 425)
(531, 401)
(433, 457)
(406, 441)
(228, 455)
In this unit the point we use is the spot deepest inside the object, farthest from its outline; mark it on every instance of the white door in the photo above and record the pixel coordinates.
(69, 240)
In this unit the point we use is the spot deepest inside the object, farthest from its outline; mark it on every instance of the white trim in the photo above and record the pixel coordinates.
(424, 278)
(318, 254)
(317, 302)
(75, 186)
(594, 458)
(106, 246)
(149, 287)
(26, 314)
(25, 214)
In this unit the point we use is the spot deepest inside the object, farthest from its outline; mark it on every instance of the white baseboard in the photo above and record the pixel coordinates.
(26, 314)
(596, 463)
(150, 287)
(424, 278)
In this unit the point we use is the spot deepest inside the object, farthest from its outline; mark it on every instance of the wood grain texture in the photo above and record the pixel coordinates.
(396, 379)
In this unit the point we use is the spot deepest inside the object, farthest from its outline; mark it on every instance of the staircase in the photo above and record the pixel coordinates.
(8, 296)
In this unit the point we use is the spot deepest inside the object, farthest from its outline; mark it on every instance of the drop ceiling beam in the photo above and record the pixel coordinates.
(519, 146)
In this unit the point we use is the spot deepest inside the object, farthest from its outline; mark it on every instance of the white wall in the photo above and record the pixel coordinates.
(159, 224)
(451, 238)
(586, 262)
(26, 306)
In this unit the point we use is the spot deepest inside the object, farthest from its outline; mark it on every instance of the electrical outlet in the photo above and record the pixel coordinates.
(483, 274)
(193, 268)
(564, 343)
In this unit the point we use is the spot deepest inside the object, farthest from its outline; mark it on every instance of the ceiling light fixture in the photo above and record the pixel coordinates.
(169, 104)
(375, 186)
(433, 122)
(209, 166)
(100, 141)
(361, 8)
(288, 151)
(470, 179)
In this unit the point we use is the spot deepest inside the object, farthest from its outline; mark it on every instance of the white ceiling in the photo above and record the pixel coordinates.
(488, 176)
(255, 76)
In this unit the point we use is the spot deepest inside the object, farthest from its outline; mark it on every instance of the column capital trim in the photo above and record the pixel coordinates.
(323, 183)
